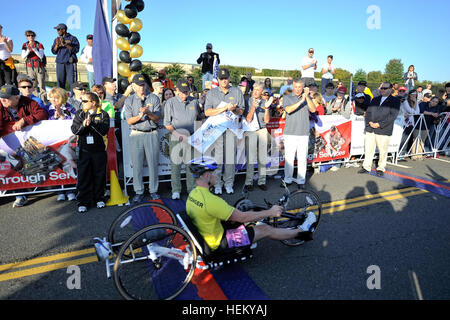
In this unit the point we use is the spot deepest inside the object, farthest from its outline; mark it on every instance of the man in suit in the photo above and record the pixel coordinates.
(380, 118)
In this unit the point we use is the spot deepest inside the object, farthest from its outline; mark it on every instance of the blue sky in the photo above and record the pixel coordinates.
(264, 34)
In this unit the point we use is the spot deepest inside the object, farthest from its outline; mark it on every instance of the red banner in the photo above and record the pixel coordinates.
(34, 157)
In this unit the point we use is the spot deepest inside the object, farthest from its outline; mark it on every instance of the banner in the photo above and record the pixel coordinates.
(358, 135)
(330, 137)
(213, 128)
(37, 157)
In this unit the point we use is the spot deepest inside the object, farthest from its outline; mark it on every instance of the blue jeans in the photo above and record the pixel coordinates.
(91, 79)
(207, 77)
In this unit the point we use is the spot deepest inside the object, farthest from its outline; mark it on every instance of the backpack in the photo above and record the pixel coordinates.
(44, 58)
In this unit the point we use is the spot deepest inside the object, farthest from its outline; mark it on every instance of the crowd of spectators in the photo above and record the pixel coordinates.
(148, 105)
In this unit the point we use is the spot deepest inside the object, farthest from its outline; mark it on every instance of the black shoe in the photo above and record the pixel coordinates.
(248, 187)
(380, 173)
(301, 186)
(262, 187)
(363, 171)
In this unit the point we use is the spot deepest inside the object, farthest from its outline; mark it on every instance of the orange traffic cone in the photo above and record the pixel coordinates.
(117, 197)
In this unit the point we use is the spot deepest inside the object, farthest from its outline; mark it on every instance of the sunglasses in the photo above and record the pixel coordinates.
(26, 87)
(384, 88)
(85, 101)
(31, 35)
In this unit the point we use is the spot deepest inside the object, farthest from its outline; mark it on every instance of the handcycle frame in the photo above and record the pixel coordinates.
(195, 255)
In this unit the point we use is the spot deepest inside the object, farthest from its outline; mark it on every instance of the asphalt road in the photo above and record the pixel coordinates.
(402, 231)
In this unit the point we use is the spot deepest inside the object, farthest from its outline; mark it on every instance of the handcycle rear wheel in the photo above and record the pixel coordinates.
(123, 226)
(140, 276)
(299, 204)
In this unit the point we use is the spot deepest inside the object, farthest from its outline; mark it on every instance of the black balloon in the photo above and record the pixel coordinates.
(135, 65)
(122, 30)
(124, 56)
(134, 38)
(123, 85)
(139, 4)
(130, 11)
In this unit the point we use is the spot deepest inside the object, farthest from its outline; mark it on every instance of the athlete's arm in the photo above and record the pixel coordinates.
(251, 216)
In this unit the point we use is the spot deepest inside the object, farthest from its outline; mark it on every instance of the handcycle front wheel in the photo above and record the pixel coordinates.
(150, 263)
(298, 205)
(123, 226)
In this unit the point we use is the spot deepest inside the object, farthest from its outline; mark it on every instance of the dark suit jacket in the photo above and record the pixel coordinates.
(385, 115)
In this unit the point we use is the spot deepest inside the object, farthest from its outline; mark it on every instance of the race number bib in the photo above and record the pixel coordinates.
(237, 237)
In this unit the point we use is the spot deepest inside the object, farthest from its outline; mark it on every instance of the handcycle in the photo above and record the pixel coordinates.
(159, 260)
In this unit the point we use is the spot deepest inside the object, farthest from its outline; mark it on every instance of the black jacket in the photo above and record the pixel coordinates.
(385, 115)
(207, 61)
(98, 128)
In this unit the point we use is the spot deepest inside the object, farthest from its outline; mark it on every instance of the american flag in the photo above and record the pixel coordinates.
(215, 82)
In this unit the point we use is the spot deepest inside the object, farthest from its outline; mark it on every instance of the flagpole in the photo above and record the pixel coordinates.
(115, 5)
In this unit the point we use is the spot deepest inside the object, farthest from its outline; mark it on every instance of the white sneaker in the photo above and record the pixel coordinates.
(100, 204)
(310, 219)
(175, 196)
(82, 209)
(229, 190)
(218, 190)
(71, 196)
(20, 201)
(61, 197)
(334, 169)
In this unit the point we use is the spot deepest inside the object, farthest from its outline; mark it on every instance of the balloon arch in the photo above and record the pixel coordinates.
(128, 31)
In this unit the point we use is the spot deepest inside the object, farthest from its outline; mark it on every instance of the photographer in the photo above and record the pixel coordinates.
(65, 47)
(91, 124)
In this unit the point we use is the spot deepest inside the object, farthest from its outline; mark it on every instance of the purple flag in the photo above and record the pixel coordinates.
(102, 58)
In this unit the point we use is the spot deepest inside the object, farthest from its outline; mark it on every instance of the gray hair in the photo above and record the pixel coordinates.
(298, 80)
(258, 84)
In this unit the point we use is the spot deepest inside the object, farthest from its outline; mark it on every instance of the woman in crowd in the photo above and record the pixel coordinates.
(408, 108)
(166, 95)
(318, 102)
(6, 61)
(410, 77)
(106, 105)
(91, 124)
(268, 86)
(59, 109)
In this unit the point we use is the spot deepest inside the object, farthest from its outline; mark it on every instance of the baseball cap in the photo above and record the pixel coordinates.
(224, 73)
(182, 85)
(402, 89)
(24, 77)
(108, 79)
(89, 36)
(60, 26)
(138, 79)
(360, 95)
(79, 85)
(342, 89)
(314, 85)
(162, 71)
(362, 83)
(209, 45)
(7, 91)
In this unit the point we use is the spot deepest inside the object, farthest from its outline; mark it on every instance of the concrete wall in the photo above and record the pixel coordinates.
(82, 73)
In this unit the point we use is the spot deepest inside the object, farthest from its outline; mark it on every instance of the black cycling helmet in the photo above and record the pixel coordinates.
(201, 165)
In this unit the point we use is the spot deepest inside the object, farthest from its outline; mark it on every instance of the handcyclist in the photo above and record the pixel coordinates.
(208, 211)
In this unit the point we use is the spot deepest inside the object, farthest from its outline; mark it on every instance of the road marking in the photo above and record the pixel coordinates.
(56, 257)
(416, 287)
(331, 207)
(47, 268)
